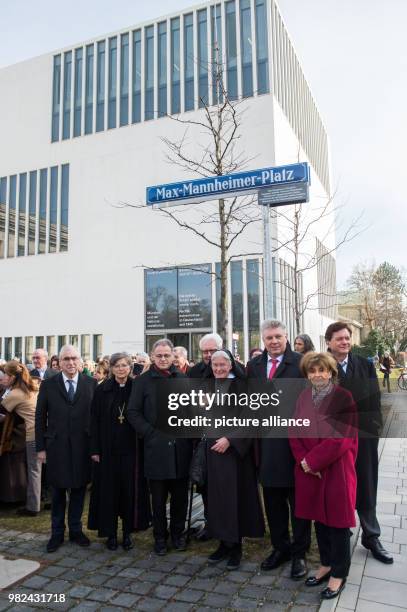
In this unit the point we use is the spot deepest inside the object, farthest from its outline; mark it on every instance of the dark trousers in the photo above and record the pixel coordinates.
(279, 506)
(369, 523)
(160, 489)
(334, 548)
(123, 467)
(75, 509)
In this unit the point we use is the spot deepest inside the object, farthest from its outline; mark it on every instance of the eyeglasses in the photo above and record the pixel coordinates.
(209, 351)
(69, 358)
(167, 356)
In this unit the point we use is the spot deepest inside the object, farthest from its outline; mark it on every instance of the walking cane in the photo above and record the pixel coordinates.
(191, 495)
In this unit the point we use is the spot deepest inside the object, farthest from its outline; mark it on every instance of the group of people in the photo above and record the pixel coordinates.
(104, 430)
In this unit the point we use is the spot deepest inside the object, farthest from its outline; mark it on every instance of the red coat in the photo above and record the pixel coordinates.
(330, 500)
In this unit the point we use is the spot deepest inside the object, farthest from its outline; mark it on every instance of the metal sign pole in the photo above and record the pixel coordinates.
(267, 265)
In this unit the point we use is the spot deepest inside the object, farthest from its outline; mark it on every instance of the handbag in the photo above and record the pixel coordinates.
(198, 470)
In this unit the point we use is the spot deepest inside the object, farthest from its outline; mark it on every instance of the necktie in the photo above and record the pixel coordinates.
(71, 391)
(274, 366)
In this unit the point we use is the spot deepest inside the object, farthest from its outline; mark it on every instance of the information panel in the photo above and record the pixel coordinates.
(161, 299)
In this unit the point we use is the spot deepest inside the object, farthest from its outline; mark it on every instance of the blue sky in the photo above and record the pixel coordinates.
(354, 54)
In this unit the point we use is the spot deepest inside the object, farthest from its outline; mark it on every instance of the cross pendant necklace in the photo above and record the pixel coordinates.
(120, 418)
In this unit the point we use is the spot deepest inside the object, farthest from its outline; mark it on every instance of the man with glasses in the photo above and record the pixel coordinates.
(166, 460)
(62, 434)
(208, 344)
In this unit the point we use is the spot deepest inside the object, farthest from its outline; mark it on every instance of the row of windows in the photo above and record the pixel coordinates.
(165, 68)
(285, 287)
(296, 100)
(90, 346)
(326, 273)
(34, 212)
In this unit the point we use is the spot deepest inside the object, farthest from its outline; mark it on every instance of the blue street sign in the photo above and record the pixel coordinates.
(226, 186)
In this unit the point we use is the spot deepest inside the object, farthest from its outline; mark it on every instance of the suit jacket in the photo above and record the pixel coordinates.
(276, 459)
(49, 373)
(62, 429)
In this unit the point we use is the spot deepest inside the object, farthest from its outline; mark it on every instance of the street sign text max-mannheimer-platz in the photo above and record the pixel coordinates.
(226, 186)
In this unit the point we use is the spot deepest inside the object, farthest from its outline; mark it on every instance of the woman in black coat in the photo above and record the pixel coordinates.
(118, 486)
(234, 509)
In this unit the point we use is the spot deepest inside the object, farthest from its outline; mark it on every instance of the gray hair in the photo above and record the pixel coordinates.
(271, 324)
(162, 342)
(117, 356)
(42, 351)
(71, 348)
(221, 354)
(182, 350)
(142, 354)
(215, 337)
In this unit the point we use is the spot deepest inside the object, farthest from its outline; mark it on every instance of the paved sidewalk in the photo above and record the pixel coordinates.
(373, 586)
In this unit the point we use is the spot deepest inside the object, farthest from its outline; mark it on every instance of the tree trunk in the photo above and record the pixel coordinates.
(223, 323)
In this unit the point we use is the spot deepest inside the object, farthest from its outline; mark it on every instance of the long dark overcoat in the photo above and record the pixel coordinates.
(102, 505)
(276, 459)
(361, 380)
(62, 429)
(165, 457)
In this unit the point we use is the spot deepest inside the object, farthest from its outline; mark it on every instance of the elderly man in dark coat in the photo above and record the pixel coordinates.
(276, 459)
(358, 375)
(166, 460)
(62, 434)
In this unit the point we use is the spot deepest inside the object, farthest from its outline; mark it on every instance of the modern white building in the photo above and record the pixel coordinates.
(81, 132)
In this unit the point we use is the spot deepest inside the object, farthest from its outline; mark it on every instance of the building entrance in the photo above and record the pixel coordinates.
(190, 340)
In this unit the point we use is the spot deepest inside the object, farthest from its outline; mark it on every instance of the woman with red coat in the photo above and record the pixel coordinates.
(325, 475)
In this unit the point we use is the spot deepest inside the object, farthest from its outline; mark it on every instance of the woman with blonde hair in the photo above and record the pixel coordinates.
(21, 397)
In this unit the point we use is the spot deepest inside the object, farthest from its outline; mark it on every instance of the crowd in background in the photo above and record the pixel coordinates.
(67, 422)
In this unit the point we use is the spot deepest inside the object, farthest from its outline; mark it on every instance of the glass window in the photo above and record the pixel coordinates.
(22, 201)
(100, 87)
(32, 211)
(85, 346)
(236, 275)
(124, 80)
(63, 239)
(89, 89)
(29, 348)
(62, 340)
(66, 124)
(8, 345)
(39, 342)
(189, 61)
(111, 110)
(261, 48)
(97, 346)
(253, 301)
(246, 48)
(218, 304)
(74, 340)
(175, 66)
(136, 77)
(231, 50)
(3, 206)
(202, 58)
(77, 117)
(149, 74)
(162, 69)
(53, 210)
(56, 98)
(43, 210)
(18, 348)
(216, 53)
(12, 197)
(51, 346)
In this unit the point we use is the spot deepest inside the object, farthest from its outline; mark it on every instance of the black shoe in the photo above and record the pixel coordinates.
(79, 538)
(26, 512)
(298, 568)
(179, 542)
(222, 552)
(111, 543)
(314, 581)
(47, 505)
(274, 560)
(160, 547)
(377, 550)
(202, 535)
(330, 594)
(127, 542)
(234, 558)
(54, 543)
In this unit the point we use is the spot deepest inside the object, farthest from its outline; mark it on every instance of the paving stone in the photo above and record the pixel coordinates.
(36, 582)
(150, 605)
(152, 576)
(210, 572)
(127, 600)
(226, 588)
(383, 592)
(130, 572)
(400, 536)
(165, 566)
(189, 595)
(196, 559)
(53, 571)
(177, 580)
(237, 576)
(86, 606)
(255, 592)
(61, 605)
(88, 565)
(95, 579)
(187, 569)
(71, 562)
(216, 600)
(110, 570)
(178, 606)
(239, 603)
(280, 595)
(164, 592)
(144, 563)
(117, 583)
(249, 566)
(177, 557)
(73, 574)
(263, 580)
(102, 594)
(202, 584)
(308, 597)
(80, 591)
(58, 586)
(307, 608)
(140, 588)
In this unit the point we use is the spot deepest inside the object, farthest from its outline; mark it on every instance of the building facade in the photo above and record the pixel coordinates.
(81, 258)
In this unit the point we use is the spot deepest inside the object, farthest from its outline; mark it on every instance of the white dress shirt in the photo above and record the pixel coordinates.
(74, 380)
(270, 365)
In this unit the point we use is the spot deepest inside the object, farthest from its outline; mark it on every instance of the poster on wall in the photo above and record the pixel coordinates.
(161, 299)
